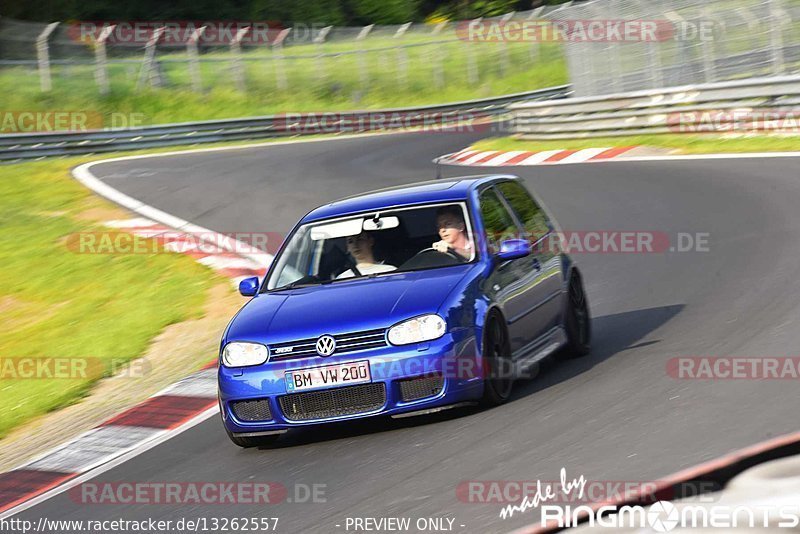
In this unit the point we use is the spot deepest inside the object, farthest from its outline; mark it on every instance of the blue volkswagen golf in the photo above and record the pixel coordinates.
(401, 302)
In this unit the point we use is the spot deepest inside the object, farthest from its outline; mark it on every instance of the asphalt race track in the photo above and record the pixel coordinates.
(615, 415)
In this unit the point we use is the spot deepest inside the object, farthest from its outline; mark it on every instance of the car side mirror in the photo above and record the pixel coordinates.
(511, 249)
(249, 287)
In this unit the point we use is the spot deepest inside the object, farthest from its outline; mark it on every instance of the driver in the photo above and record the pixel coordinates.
(453, 231)
(360, 247)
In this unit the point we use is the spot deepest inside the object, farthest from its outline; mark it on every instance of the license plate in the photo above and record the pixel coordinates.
(343, 374)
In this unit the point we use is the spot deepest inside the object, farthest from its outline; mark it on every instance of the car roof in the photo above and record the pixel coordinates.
(443, 190)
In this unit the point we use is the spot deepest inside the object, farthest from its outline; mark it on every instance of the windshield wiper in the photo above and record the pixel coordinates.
(295, 285)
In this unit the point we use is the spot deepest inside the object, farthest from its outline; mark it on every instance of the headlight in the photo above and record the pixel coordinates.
(244, 354)
(423, 328)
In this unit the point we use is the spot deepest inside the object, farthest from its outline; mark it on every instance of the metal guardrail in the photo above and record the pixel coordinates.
(39, 145)
(725, 106)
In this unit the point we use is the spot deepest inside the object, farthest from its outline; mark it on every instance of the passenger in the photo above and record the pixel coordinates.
(453, 231)
(360, 247)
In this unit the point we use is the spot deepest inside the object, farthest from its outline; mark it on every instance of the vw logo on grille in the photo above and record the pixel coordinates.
(326, 345)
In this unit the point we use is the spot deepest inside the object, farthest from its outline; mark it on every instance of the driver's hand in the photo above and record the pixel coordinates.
(440, 246)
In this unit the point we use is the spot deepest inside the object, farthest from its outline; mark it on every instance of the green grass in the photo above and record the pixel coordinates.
(680, 143)
(61, 304)
(333, 83)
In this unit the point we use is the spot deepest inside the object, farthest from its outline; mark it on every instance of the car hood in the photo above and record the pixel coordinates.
(344, 306)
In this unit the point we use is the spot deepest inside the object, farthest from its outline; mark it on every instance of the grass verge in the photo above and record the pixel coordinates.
(675, 143)
(94, 311)
(429, 74)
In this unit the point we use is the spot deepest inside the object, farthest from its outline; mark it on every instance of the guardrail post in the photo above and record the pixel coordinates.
(652, 48)
(194, 66)
(534, 50)
(654, 64)
(402, 59)
(401, 31)
(684, 75)
(710, 52)
(439, 27)
(437, 64)
(101, 60)
(43, 57)
(236, 57)
(277, 58)
(147, 71)
(363, 71)
(319, 40)
(473, 75)
(612, 55)
(776, 36)
(505, 62)
(472, 66)
(749, 18)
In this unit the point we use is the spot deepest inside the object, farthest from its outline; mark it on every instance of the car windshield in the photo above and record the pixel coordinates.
(374, 244)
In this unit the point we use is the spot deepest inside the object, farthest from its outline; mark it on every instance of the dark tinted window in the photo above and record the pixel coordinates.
(527, 210)
(497, 221)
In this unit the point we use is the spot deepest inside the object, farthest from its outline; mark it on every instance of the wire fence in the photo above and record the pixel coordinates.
(202, 56)
(698, 41)
(706, 41)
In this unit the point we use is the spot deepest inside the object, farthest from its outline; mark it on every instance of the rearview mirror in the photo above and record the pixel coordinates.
(383, 223)
(249, 287)
(511, 249)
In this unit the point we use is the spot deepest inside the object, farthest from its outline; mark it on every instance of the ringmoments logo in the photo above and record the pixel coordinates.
(664, 516)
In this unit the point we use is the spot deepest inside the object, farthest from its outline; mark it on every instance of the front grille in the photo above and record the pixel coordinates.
(328, 403)
(421, 387)
(252, 410)
(306, 348)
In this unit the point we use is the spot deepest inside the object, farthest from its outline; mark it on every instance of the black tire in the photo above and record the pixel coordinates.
(497, 361)
(577, 319)
(249, 442)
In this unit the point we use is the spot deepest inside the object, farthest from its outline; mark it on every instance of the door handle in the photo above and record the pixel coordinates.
(536, 264)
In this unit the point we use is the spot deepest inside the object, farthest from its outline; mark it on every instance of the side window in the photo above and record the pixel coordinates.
(529, 213)
(498, 223)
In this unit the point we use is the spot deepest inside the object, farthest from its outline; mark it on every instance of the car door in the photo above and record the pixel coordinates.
(542, 269)
(505, 284)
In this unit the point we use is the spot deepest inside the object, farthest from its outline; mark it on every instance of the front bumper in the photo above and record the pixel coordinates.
(456, 361)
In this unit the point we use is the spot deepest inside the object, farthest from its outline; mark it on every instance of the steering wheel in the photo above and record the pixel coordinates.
(431, 249)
